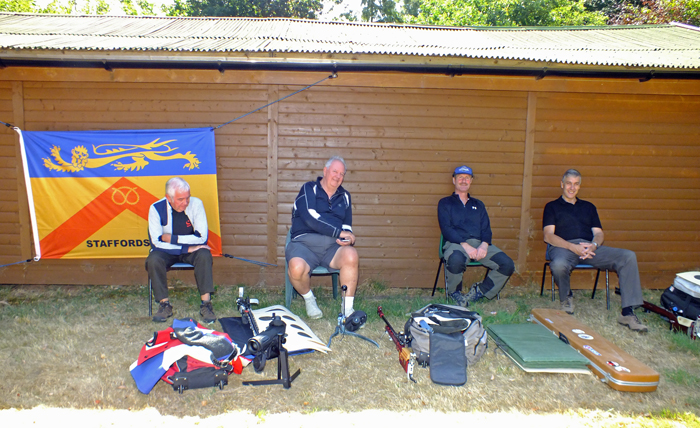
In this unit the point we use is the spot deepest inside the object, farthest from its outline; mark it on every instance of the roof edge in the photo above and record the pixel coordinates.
(538, 72)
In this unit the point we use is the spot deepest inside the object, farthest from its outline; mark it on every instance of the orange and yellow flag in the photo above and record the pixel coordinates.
(91, 191)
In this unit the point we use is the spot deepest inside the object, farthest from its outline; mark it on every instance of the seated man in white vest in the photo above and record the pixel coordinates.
(178, 231)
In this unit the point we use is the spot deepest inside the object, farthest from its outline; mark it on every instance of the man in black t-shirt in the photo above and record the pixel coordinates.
(573, 231)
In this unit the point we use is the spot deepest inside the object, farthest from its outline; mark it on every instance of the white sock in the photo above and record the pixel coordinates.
(309, 295)
(347, 304)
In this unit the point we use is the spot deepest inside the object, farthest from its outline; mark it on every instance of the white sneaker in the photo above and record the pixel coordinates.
(312, 309)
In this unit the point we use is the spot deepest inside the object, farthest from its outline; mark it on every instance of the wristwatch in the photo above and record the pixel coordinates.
(596, 244)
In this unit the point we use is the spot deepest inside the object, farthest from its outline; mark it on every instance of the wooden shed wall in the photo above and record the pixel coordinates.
(401, 135)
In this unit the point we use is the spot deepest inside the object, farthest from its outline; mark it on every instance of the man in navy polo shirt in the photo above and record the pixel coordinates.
(322, 235)
(573, 229)
(466, 230)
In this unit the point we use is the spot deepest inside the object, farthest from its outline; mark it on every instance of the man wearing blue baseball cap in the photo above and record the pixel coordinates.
(466, 229)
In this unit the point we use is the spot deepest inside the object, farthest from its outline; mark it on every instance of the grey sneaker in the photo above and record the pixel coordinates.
(568, 305)
(312, 309)
(207, 312)
(460, 299)
(165, 311)
(632, 322)
(474, 293)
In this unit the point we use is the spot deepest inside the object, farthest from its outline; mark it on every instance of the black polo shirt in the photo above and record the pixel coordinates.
(571, 221)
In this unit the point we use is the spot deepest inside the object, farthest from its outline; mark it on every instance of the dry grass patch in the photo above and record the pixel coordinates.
(71, 347)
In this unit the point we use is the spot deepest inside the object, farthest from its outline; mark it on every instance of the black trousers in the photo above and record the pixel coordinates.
(158, 263)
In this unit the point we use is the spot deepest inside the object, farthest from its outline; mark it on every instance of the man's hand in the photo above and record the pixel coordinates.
(584, 250)
(477, 253)
(166, 237)
(194, 248)
(481, 251)
(345, 238)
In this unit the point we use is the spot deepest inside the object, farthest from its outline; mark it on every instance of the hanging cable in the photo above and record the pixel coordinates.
(255, 262)
(16, 263)
(332, 76)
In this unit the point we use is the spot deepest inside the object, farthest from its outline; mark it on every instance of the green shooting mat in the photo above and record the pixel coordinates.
(535, 349)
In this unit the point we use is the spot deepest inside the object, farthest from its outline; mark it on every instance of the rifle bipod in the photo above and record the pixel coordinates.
(283, 377)
(341, 330)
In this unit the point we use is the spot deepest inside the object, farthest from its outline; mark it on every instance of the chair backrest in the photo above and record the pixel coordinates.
(442, 244)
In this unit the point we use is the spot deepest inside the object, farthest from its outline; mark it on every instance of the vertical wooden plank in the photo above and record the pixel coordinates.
(25, 228)
(272, 144)
(525, 219)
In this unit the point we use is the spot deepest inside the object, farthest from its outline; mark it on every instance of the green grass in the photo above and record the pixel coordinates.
(682, 377)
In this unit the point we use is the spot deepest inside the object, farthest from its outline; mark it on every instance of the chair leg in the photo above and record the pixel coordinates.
(595, 284)
(334, 278)
(150, 298)
(552, 288)
(288, 289)
(607, 289)
(437, 276)
(444, 274)
(544, 274)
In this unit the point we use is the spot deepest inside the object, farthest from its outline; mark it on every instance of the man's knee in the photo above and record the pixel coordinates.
(456, 263)
(155, 263)
(629, 257)
(203, 256)
(505, 264)
(559, 267)
(349, 257)
(297, 268)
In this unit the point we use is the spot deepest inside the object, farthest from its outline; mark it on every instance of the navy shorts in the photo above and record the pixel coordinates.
(315, 249)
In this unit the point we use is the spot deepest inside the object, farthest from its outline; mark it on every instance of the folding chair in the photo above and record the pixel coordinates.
(176, 266)
(578, 266)
(290, 292)
(443, 265)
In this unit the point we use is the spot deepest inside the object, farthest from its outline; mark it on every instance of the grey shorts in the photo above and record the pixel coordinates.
(315, 249)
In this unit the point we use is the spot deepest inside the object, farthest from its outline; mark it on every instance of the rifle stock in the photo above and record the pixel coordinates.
(405, 356)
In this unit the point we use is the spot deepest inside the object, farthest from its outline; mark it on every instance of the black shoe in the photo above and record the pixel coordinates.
(207, 312)
(165, 311)
(460, 299)
(474, 293)
(355, 321)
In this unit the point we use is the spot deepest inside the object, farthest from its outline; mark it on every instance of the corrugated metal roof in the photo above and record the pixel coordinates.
(659, 46)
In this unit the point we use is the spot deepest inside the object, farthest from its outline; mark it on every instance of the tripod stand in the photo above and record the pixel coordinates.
(340, 328)
(283, 376)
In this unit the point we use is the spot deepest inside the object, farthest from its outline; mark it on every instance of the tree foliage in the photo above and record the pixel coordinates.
(83, 7)
(530, 13)
(258, 8)
(380, 11)
(637, 12)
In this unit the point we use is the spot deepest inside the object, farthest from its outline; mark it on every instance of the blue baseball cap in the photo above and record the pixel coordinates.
(463, 170)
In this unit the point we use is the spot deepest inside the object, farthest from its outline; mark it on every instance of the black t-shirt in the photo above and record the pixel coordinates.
(181, 224)
(571, 221)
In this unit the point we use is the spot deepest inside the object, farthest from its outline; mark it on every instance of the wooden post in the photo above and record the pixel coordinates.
(525, 218)
(25, 227)
(272, 145)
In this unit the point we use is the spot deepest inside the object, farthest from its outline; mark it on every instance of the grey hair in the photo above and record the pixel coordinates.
(335, 158)
(175, 184)
(570, 173)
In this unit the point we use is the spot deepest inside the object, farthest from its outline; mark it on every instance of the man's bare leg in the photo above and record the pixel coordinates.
(347, 261)
(298, 271)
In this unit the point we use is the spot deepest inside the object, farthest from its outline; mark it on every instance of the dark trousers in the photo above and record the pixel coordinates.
(501, 266)
(619, 260)
(158, 263)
